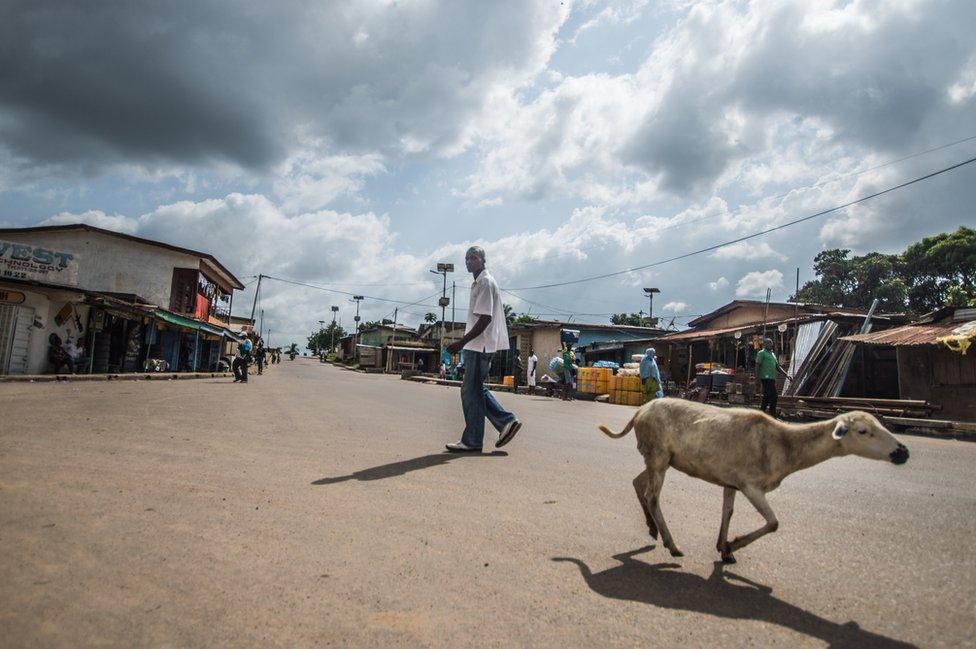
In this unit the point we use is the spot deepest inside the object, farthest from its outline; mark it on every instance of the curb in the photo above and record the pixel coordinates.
(135, 376)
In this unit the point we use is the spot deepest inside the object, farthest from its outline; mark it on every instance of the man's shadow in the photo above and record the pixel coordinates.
(406, 466)
(663, 586)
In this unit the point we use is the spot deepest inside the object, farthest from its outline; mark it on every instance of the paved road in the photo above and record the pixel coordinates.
(313, 506)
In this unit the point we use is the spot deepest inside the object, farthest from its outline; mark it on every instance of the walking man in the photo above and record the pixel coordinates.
(486, 332)
(530, 372)
(766, 367)
(241, 361)
(259, 355)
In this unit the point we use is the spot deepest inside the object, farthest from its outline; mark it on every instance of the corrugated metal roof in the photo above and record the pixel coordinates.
(925, 334)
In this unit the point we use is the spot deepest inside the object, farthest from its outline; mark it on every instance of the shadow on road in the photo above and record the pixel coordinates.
(662, 586)
(406, 466)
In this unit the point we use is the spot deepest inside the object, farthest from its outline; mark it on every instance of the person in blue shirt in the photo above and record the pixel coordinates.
(650, 376)
(241, 361)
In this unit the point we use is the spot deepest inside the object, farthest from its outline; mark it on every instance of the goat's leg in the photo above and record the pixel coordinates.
(728, 499)
(656, 468)
(758, 500)
(640, 486)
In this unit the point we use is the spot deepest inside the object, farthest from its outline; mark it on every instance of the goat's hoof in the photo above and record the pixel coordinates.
(728, 558)
(653, 532)
(677, 553)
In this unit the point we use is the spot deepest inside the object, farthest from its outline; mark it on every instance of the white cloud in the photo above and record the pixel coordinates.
(718, 284)
(748, 250)
(754, 284)
(675, 307)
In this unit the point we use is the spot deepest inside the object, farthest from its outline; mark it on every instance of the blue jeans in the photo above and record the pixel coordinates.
(477, 402)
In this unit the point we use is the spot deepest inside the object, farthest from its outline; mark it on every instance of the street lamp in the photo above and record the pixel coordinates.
(443, 270)
(335, 310)
(650, 307)
(355, 336)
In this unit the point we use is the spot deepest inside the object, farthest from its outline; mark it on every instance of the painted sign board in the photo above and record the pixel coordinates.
(22, 261)
(11, 297)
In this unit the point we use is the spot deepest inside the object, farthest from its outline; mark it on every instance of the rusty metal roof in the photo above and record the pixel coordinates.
(921, 334)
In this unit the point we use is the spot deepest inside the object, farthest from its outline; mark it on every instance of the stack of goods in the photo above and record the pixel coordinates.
(609, 364)
(508, 381)
(630, 369)
(594, 380)
(625, 389)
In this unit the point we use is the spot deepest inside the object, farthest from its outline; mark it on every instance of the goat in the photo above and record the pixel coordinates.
(743, 450)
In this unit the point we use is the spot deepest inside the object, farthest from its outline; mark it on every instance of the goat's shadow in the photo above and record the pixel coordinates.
(662, 586)
(402, 467)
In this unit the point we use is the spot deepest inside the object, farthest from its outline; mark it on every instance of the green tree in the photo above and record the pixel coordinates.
(430, 317)
(854, 282)
(631, 319)
(941, 270)
(322, 338)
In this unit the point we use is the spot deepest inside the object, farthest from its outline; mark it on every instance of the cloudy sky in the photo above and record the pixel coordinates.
(352, 146)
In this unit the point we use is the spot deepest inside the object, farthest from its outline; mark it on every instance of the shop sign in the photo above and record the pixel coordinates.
(11, 297)
(21, 261)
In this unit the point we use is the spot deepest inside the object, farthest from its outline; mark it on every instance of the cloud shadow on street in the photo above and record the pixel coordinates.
(663, 586)
(402, 467)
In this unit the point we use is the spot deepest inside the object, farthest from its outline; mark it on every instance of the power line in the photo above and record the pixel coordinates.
(753, 235)
(820, 184)
(332, 290)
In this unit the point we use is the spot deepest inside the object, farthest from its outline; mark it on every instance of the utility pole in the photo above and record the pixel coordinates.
(257, 291)
(335, 310)
(443, 270)
(453, 303)
(261, 327)
(650, 306)
(318, 349)
(355, 337)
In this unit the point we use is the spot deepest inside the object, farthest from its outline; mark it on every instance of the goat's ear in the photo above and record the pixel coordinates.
(839, 430)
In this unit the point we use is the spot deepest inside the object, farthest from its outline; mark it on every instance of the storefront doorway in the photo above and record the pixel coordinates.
(15, 324)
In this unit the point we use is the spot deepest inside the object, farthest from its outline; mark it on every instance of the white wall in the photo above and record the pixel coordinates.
(111, 264)
(45, 306)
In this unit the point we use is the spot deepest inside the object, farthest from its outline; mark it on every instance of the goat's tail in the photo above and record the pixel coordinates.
(609, 433)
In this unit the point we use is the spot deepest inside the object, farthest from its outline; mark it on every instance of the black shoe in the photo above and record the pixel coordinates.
(508, 432)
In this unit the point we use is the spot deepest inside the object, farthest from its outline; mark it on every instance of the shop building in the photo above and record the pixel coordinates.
(121, 300)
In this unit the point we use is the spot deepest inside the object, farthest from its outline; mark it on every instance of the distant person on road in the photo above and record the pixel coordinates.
(486, 333)
(517, 373)
(530, 373)
(650, 376)
(241, 361)
(766, 367)
(567, 357)
(260, 354)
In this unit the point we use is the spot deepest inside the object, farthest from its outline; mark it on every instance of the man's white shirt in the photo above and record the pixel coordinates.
(486, 300)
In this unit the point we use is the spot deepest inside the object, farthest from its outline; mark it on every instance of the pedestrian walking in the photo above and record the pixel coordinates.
(486, 332)
(260, 353)
(241, 360)
(530, 373)
(650, 376)
(766, 367)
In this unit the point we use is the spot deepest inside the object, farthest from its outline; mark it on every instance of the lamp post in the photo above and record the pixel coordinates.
(650, 307)
(335, 310)
(355, 337)
(443, 270)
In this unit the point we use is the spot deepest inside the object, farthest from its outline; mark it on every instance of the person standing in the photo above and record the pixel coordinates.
(530, 372)
(260, 353)
(567, 358)
(516, 373)
(650, 376)
(766, 367)
(486, 332)
(241, 361)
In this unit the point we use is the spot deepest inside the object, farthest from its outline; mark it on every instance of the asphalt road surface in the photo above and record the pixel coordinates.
(313, 506)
